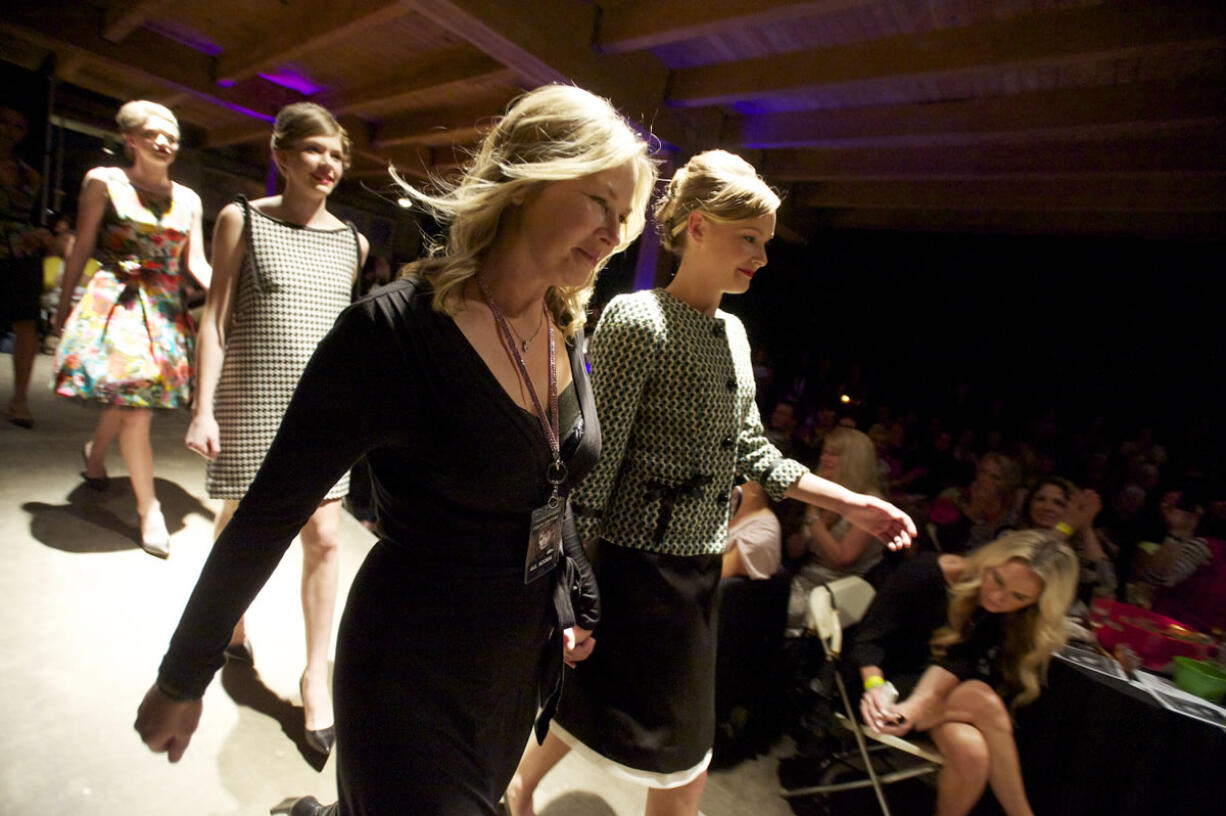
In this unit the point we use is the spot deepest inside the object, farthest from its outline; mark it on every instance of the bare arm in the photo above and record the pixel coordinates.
(363, 252)
(877, 517)
(733, 564)
(90, 207)
(229, 248)
(197, 265)
(924, 704)
(837, 552)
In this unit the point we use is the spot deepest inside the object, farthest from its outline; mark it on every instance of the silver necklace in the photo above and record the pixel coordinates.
(524, 343)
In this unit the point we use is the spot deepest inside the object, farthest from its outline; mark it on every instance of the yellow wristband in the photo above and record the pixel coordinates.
(873, 682)
(1062, 527)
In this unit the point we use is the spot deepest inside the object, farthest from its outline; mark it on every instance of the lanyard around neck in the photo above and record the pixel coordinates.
(557, 470)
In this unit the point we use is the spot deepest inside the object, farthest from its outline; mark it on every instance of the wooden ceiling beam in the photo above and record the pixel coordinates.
(358, 130)
(73, 29)
(236, 134)
(452, 70)
(1085, 113)
(304, 26)
(1142, 192)
(1205, 226)
(553, 44)
(437, 127)
(1186, 150)
(1074, 35)
(636, 25)
(121, 19)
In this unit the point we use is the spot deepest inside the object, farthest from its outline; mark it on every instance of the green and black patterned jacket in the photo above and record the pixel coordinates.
(675, 394)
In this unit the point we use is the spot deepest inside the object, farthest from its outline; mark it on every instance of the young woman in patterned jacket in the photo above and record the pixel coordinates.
(283, 269)
(675, 392)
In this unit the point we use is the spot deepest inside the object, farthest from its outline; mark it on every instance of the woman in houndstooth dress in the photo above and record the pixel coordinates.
(285, 270)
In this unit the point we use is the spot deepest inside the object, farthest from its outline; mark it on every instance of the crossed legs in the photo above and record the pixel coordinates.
(975, 736)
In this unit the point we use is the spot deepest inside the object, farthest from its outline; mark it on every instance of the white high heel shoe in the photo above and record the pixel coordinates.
(154, 537)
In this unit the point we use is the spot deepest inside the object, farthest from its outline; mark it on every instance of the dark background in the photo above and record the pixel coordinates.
(981, 329)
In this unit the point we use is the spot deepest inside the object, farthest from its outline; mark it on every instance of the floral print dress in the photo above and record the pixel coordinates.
(129, 340)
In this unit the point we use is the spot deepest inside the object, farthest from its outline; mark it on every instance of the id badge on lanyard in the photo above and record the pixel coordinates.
(544, 550)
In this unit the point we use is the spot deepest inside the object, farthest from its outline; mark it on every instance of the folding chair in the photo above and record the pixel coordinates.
(832, 607)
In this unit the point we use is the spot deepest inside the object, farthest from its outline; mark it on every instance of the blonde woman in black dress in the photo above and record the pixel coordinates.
(452, 639)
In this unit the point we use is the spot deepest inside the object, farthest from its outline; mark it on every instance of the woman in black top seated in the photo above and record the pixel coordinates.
(452, 637)
(957, 636)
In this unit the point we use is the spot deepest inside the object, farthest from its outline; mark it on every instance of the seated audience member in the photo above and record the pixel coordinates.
(1187, 573)
(963, 518)
(955, 637)
(782, 424)
(755, 547)
(1056, 504)
(831, 546)
(817, 427)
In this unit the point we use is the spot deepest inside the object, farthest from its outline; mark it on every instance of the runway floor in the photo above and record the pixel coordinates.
(87, 615)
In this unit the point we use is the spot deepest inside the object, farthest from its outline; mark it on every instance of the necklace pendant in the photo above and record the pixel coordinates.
(524, 345)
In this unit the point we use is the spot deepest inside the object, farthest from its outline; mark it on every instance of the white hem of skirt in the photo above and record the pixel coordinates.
(651, 779)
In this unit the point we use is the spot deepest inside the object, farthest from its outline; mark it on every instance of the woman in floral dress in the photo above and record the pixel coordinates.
(127, 344)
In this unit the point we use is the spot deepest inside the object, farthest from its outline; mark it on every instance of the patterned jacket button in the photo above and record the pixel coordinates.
(726, 443)
(722, 498)
(717, 330)
(730, 383)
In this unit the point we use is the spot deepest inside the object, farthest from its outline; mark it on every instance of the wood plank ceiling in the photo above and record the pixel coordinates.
(1010, 116)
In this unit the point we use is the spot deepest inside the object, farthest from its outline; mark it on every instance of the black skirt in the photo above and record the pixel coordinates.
(643, 705)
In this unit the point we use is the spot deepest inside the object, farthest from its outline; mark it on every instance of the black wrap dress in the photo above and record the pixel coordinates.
(444, 655)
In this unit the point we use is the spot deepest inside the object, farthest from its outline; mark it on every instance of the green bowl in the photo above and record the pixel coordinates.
(1200, 677)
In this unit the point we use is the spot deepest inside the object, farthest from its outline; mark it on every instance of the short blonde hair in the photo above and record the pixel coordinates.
(1032, 633)
(302, 120)
(722, 186)
(133, 115)
(554, 133)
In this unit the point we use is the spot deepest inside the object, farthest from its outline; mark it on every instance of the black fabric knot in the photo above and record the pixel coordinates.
(668, 495)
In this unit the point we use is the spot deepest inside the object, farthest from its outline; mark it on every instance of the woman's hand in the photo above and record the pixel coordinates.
(883, 520)
(1083, 508)
(1180, 523)
(881, 713)
(167, 725)
(577, 644)
(900, 719)
(203, 437)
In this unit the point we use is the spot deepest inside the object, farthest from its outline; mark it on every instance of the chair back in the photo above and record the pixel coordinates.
(835, 605)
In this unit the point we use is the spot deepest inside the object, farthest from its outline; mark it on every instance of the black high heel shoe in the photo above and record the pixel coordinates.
(99, 483)
(303, 806)
(322, 739)
(241, 653)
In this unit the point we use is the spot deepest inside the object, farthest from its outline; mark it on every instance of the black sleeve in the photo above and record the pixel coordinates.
(338, 412)
(884, 619)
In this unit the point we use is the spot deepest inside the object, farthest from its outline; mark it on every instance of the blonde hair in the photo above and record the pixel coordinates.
(722, 186)
(858, 468)
(1033, 632)
(302, 120)
(553, 133)
(133, 115)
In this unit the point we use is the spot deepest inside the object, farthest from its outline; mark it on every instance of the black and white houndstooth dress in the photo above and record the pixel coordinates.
(294, 282)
